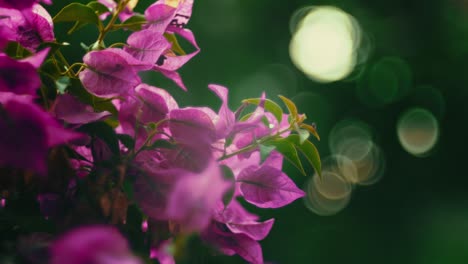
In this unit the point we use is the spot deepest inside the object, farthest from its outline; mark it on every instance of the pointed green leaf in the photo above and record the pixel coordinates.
(270, 106)
(303, 135)
(126, 140)
(77, 12)
(175, 44)
(245, 117)
(98, 8)
(265, 151)
(291, 107)
(289, 152)
(133, 23)
(229, 176)
(309, 150)
(312, 130)
(62, 83)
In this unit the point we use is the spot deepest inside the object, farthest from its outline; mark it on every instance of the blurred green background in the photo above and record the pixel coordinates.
(418, 212)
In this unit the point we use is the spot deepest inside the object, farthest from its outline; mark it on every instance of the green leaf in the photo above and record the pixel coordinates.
(309, 150)
(128, 189)
(175, 44)
(265, 151)
(270, 106)
(133, 23)
(54, 46)
(245, 117)
(303, 135)
(312, 130)
(160, 143)
(126, 140)
(289, 152)
(62, 83)
(77, 12)
(98, 8)
(291, 107)
(229, 176)
(104, 132)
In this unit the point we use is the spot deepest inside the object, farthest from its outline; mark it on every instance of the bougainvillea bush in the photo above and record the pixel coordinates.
(98, 167)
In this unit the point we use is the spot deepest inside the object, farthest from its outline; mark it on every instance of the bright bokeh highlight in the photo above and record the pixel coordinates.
(324, 44)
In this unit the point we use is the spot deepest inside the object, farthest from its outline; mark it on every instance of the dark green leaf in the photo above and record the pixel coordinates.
(229, 176)
(98, 8)
(289, 152)
(104, 132)
(160, 143)
(309, 150)
(133, 23)
(77, 12)
(265, 151)
(126, 140)
(54, 46)
(270, 106)
(128, 189)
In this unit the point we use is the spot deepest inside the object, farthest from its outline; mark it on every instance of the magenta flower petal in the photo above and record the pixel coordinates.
(254, 230)
(149, 104)
(161, 253)
(159, 15)
(18, 77)
(240, 221)
(194, 197)
(92, 245)
(267, 187)
(226, 118)
(37, 59)
(27, 133)
(182, 15)
(246, 247)
(147, 45)
(230, 244)
(175, 77)
(173, 63)
(29, 27)
(71, 110)
(192, 126)
(19, 147)
(153, 188)
(17, 4)
(108, 73)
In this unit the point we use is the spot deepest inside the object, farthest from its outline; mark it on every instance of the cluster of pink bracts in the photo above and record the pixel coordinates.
(187, 167)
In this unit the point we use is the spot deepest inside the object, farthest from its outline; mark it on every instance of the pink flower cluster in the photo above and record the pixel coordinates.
(187, 167)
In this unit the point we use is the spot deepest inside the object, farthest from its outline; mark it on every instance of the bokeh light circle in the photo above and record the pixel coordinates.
(343, 166)
(324, 43)
(352, 140)
(320, 204)
(418, 131)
